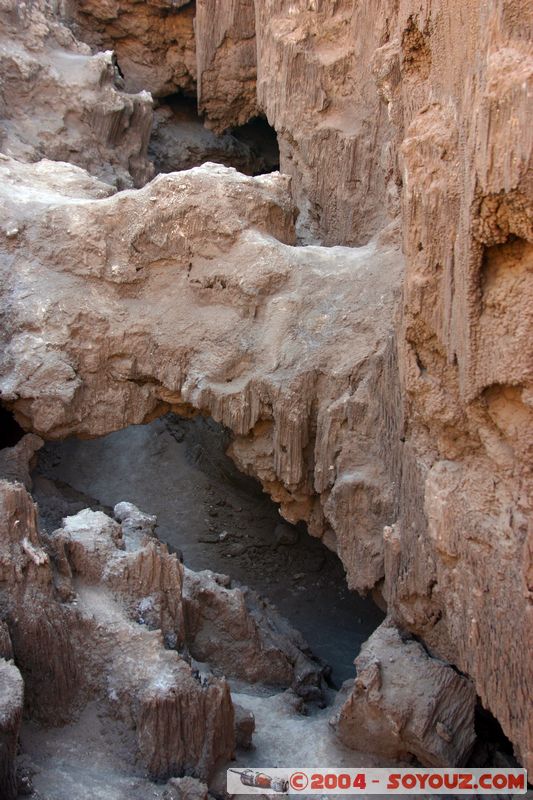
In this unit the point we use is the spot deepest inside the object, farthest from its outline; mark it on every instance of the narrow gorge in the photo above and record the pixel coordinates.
(266, 385)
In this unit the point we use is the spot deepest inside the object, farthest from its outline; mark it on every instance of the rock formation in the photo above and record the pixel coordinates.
(387, 712)
(97, 580)
(11, 702)
(403, 439)
(112, 582)
(235, 337)
(244, 726)
(59, 102)
(226, 60)
(154, 41)
(466, 211)
(16, 462)
(245, 637)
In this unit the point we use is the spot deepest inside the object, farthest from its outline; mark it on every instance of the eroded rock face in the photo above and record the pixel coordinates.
(300, 65)
(244, 727)
(467, 218)
(200, 300)
(436, 134)
(333, 129)
(245, 637)
(111, 582)
(403, 702)
(96, 581)
(226, 61)
(154, 41)
(60, 102)
(389, 116)
(16, 462)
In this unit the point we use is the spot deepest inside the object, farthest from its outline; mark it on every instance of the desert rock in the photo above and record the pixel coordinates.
(16, 461)
(378, 382)
(127, 668)
(83, 117)
(226, 53)
(225, 260)
(244, 726)
(403, 702)
(154, 42)
(238, 632)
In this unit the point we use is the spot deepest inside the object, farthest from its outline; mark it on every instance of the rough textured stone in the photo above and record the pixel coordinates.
(462, 117)
(124, 597)
(226, 62)
(112, 582)
(59, 102)
(6, 648)
(333, 129)
(244, 726)
(251, 330)
(11, 702)
(128, 560)
(154, 41)
(403, 703)
(404, 116)
(245, 637)
(16, 462)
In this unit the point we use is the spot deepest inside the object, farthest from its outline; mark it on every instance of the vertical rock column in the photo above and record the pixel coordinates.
(226, 62)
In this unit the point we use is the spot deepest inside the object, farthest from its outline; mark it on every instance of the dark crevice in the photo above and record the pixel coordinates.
(492, 747)
(262, 139)
(488, 728)
(10, 430)
(180, 140)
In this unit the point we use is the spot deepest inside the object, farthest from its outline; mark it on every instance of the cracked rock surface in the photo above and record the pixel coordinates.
(112, 582)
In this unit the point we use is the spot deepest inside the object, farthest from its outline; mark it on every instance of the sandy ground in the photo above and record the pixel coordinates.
(219, 519)
(87, 760)
(91, 758)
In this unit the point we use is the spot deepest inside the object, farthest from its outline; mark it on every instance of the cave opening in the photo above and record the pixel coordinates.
(262, 140)
(492, 745)
(10, 430)
(180, 140)
(216, 518)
